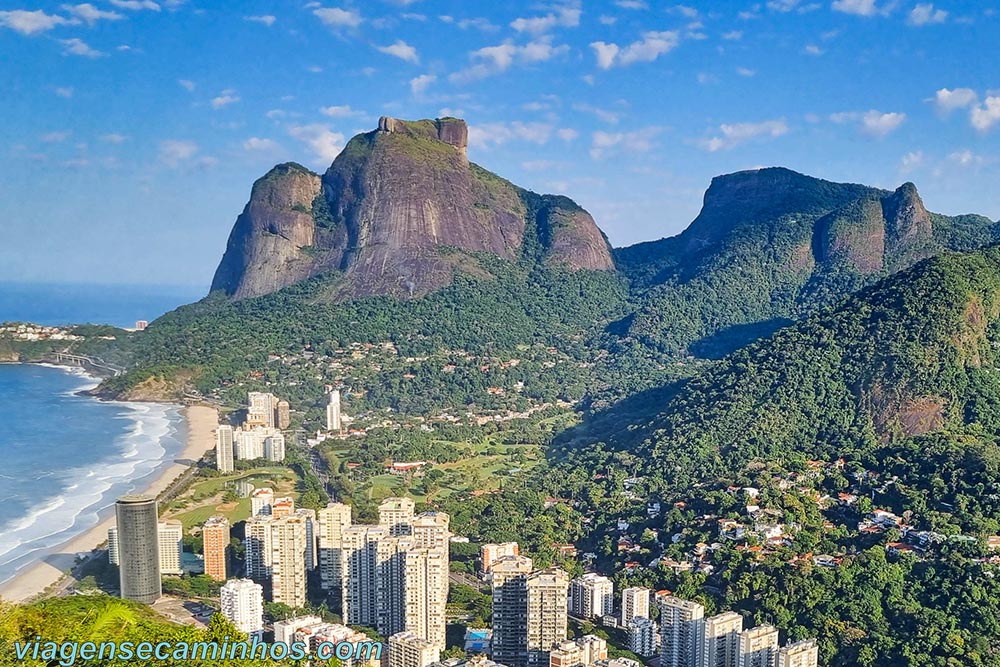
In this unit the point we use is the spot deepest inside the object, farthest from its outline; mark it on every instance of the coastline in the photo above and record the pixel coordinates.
(35, 579)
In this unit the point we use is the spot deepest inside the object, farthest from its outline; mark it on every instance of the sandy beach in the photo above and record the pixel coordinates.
(201, 422)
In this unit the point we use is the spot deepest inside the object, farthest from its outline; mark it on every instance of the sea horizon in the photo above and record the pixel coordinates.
(105, 449)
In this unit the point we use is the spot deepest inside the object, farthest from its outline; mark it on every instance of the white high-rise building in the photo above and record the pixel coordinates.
(396, 514)
(367, 594)
(242, 603)
(429, 530)
(682, 632)
(722, 640)
(310, 518)
(171, 536)
(407, 649)
(591, 596)
(257, 547)
(642, 636)
(635, 603)
(333, 421)
(491, 553)
(547, 613)
(259, 442)
(224, 448)
(425, 586)
(284, 631)
(331, 521)
(582, 652)
(262, 409)
(288, 561)
(803, 653)
(758, 647)
(510, 603)
(261, 500)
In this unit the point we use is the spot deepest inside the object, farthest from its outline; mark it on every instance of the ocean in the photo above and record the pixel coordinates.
(53, 304)
(66, 458)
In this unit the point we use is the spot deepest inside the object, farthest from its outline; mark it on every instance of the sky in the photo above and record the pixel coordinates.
(133, 129)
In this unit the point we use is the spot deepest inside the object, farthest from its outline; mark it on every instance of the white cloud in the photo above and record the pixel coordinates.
(874, 123)
(321, 140)
(948, 100)
(55, 137)
(649, 48)
(29, 23)
(335, 17)
(492, 60)
(225, 98)
(925, 14)
(65, 91)
(911, 161)
(744, 71)
(685, 11)
(856, 7)
(567, 134)
(966, 158)
(631, 4)
(812, 50)
(482, 136)
(344, 111)
(782, 5)
(114, 138)
(732, 35)
(420, 83)
(78, 47)
(186, 84)
(401, 50)
(173, 152)
(638, 141)
(732, 135)
(563, 17)
(602, 114)
(259, 144)
(604, 19)
(265, 19)
(136, 5)
(91, 14)
(986, 115)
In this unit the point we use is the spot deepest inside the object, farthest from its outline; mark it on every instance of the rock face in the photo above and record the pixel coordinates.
(395, 213)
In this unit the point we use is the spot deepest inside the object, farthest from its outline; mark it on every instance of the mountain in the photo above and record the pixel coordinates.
(396, 213)
(913, 355)
(772, 245)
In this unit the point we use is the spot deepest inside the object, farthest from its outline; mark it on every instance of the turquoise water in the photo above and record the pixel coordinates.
(64, 458)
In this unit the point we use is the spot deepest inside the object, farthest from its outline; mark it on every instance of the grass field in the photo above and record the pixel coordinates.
(205, 498)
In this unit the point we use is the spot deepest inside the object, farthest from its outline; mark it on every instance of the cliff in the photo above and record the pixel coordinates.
(389, 215)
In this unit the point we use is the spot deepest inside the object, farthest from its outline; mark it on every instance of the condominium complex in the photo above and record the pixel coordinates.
(491, 553)
(364, 652)
(242, 603)
(309, 516)
(582, 652)
(396, 514)
(430, 530)
(138, 549)
(635, 604)
(288, 560)
(331, 522)
(425, 585)
(682, 632)
(262, 409)
(215, 546)
(642, 636)
(758, 647)
(261, 500)
(257, 547)
(547, 613)
(407, 649)
(171, 536)
(224, 448)
(722, 645)
(259, 442)
(333, 421)
(591, 596)
(804, 653)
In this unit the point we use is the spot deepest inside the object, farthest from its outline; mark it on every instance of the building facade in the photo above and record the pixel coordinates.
(224, 448)
(138, 550)
(242, 603)
(547, 613)
(405, 649)
(759, 646)
(682, 632)
(803, 653)
(635, 604)
(591, 596)
(288, 561)
(722, 640)
(215, 546)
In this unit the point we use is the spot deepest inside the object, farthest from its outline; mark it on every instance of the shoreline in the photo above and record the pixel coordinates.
(36, 578)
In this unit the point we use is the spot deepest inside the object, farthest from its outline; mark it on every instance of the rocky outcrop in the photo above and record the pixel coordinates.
(395, 213)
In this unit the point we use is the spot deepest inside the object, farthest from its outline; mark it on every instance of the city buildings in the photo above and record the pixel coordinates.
(396, 514)
(591, 596)
(682, 632)
(583, 652)
(331, 522)
(224, 448)
(262, 409)
(803, 653)
(170, 534)
(510, 603)
(635, 604)
(758, 646)
(288, 560)
(284, 631)
(642, 636)
(425, 588)
(259, 442)
(406, 649)
(242, 603)
(261, 500)
(547, 613)
(333, 421)
(490, 553)
(257, 548)
(138, 550)
(363, 651)
(722, 645)
(215, 541)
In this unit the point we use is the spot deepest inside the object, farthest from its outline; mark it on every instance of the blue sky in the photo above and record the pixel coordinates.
(133, 129)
